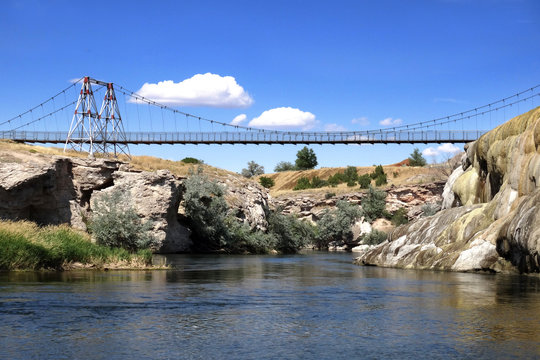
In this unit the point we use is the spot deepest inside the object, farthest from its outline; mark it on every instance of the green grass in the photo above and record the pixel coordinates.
(25, 246)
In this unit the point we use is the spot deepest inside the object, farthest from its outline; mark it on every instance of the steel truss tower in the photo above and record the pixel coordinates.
(95, 132)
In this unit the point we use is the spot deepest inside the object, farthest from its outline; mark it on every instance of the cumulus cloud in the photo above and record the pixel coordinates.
(239, 119)
(446, 148)
(200, 90)
(334, 127)
(362, 121)
(390, 122)
(284, 117)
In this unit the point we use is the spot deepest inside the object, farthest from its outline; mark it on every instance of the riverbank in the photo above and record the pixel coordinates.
(25, 246)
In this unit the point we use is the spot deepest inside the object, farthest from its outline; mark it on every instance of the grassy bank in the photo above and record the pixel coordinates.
(25, 246)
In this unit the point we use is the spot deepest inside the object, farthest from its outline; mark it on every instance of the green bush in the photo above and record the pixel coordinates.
(191, 160)
(395, 174)
(329, 195)
(335, 225)
(115, 223)
(429, 209)
(374, 204)
(207, 211)
(284, 166)
(266, 182)
(381, 180)
(253, 169)
(302, 184)
(334, 180)
(316, 182)
(379, 171)
(399, 217)
(375, 237)
(364, 181)
(290, 233)
(350, 175)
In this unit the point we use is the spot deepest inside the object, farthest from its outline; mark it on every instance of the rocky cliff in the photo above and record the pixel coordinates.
(492, 216)
(56, 189)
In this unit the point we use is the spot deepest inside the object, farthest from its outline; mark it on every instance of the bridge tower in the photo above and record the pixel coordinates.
(94, 131)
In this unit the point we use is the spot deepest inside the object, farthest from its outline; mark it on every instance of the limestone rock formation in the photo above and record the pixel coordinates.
(496, 224)
(155, 196)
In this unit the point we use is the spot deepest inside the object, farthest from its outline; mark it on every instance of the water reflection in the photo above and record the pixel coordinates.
(243, 307)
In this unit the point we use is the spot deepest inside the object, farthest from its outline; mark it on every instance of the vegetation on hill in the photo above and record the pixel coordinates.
(416, 158)
(253, 169)
(349, 177)
(306, 159)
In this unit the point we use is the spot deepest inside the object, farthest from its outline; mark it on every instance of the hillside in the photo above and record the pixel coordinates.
(397, 175)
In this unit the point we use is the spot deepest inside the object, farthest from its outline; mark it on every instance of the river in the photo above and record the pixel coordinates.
(311, 306)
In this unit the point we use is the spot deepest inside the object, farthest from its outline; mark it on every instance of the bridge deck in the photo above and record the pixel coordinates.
(267, 137)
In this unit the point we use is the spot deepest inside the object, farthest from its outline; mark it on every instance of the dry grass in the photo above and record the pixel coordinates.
(285, 181)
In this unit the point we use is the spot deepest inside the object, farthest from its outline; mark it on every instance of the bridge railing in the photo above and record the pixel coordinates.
(269, 137)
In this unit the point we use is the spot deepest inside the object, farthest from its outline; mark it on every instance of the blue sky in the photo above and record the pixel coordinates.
(341, 64)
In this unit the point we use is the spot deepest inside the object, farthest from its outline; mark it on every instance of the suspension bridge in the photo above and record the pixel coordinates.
(104, 131)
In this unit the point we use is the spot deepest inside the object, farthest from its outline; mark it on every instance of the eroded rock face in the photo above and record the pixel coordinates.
(38, 191)
(155, 196)
(498, 228)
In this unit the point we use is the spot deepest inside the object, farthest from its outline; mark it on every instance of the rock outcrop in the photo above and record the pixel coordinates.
(310, 206)
(491, 219)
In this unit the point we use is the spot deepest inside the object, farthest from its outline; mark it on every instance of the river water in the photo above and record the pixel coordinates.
(310, 306)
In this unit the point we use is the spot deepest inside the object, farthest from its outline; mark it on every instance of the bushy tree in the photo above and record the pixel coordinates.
(364, 181)
(191, 160)
(115, 223)
(306, 159)
(266, 182)
(336, 225)
(374, 204)
(291, 234)
(302, 184)
(350, 175)
(399, 217)
(375, 237)
(253, 169)
(207, 211)
(284, 166)
(416, 158)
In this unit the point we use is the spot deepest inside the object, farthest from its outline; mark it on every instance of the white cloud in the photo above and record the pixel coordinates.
(200, 90)
(239, 119)
(284, 117)
(334, 127)
(446, 148)
(390, 122)
(362, 121)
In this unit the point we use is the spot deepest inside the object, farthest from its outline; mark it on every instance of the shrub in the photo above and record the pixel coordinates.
(399, 217)
(329, 195)
(115, 223)
(316, 182)
(375, 237)
(191, 160)
(302, 184)
(395, 174)
(334, 180)
(429, 209)
(207, 210)
(266, 182)
(253, 169)
(374, 204)
(290, 233)
(241, 239)
(335, 225)
(350, 175)
(284, 166)
(381, 180)
(364, 181)
(379, 171)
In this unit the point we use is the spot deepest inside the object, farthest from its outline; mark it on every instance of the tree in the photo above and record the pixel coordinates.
(284, 166)
(374, 204)
(416, 158)
(306, 159)
(253, 169)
